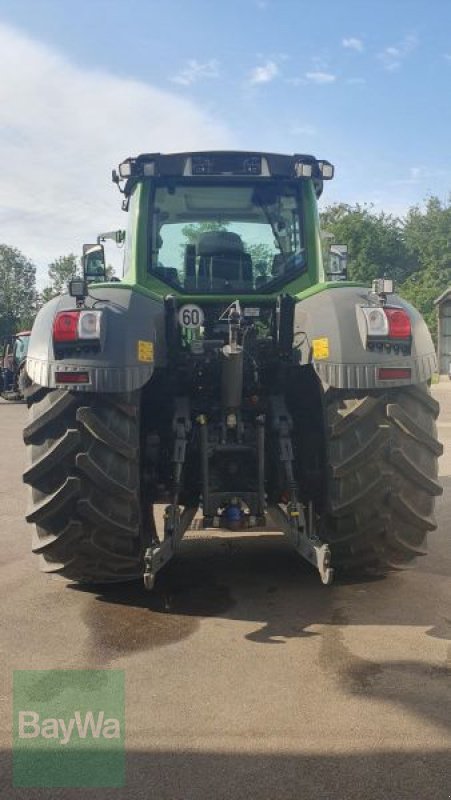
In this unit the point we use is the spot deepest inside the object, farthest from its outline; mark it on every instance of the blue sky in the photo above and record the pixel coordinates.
(366, 85)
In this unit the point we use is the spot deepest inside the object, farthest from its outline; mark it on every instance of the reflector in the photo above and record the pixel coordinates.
(72, 377)
(393, 373)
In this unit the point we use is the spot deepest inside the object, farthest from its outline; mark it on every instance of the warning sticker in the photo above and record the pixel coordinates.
(320, 348)
(145, 351)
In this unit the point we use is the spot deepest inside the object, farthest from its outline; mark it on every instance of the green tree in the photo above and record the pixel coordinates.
(375, 242)
(415, 251)
(194, 230)
(262, 258)
(421, 289)
(427, 234)
(60, 272)
(45, 295)
(109, 272)
(18, 296)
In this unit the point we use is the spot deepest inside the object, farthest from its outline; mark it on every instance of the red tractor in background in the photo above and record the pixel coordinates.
(12, 365)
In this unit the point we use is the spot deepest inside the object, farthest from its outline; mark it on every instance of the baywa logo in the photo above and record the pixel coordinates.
(30, 726)
(69, 728)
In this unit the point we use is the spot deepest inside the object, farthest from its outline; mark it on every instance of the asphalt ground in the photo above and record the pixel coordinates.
(245, 677)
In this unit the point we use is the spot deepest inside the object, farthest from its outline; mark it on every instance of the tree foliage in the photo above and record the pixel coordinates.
(194, 230)
(415, 251)
(60, 272)
(427, 234)
(376, 244)
(17, 291)
(262, 258)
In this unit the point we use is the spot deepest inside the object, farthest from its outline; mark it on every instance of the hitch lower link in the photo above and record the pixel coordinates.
(176, 521)
(293, 523)
(296, 522)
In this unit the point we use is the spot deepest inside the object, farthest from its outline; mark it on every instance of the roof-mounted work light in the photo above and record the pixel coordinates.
(78, 289)
(326, 170)
(125, 169)
(303, 170)
(383, 286)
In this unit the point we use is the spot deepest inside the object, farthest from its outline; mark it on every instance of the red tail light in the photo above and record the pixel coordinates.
(398, 323)
(65, 326)
(72, 377)
(394, 373)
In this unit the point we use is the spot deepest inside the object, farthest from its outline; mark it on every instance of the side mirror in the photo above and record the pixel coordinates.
(338, 262)
(94, 269)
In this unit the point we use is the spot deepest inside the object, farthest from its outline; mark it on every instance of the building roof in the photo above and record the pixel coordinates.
(446, 295)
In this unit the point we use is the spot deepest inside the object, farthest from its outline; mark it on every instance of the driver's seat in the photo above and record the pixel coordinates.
(222, 257)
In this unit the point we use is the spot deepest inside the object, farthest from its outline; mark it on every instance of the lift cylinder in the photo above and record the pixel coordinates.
(232, 376)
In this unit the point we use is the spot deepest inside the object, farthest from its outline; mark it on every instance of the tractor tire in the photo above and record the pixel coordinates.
(382, 454)
(84, 473)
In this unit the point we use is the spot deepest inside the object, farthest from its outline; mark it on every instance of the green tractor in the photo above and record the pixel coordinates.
(227, 376)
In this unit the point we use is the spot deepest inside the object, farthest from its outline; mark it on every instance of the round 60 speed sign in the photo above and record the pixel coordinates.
(191, 316)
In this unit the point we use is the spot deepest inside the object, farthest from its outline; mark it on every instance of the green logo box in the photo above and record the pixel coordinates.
(68, 728)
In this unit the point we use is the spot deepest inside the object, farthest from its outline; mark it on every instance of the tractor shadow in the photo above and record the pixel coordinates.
(259, 579)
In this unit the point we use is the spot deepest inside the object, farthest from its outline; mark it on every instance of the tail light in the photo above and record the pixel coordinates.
(72, 326)
(387, 323)
(398, 323)
(65, 326)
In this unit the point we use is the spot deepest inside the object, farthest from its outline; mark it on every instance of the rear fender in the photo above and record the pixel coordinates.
(133, 345)
(327, 334)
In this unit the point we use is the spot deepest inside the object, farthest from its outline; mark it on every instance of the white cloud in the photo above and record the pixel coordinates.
(320, 77)
(296, 81)
(195, 71)
(62, 129)
(352, 43)
(393, 56)
(264, 73)
(421, 175)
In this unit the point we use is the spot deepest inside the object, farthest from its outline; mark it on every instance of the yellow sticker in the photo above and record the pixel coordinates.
(145, 351)
(320, 348)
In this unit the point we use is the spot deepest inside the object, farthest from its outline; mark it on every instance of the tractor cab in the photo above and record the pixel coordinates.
(14, 354)
(20, 346)
(223, 223)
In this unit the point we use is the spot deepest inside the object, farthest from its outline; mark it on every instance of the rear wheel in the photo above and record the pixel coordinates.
(84, 473)
(382, 454)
